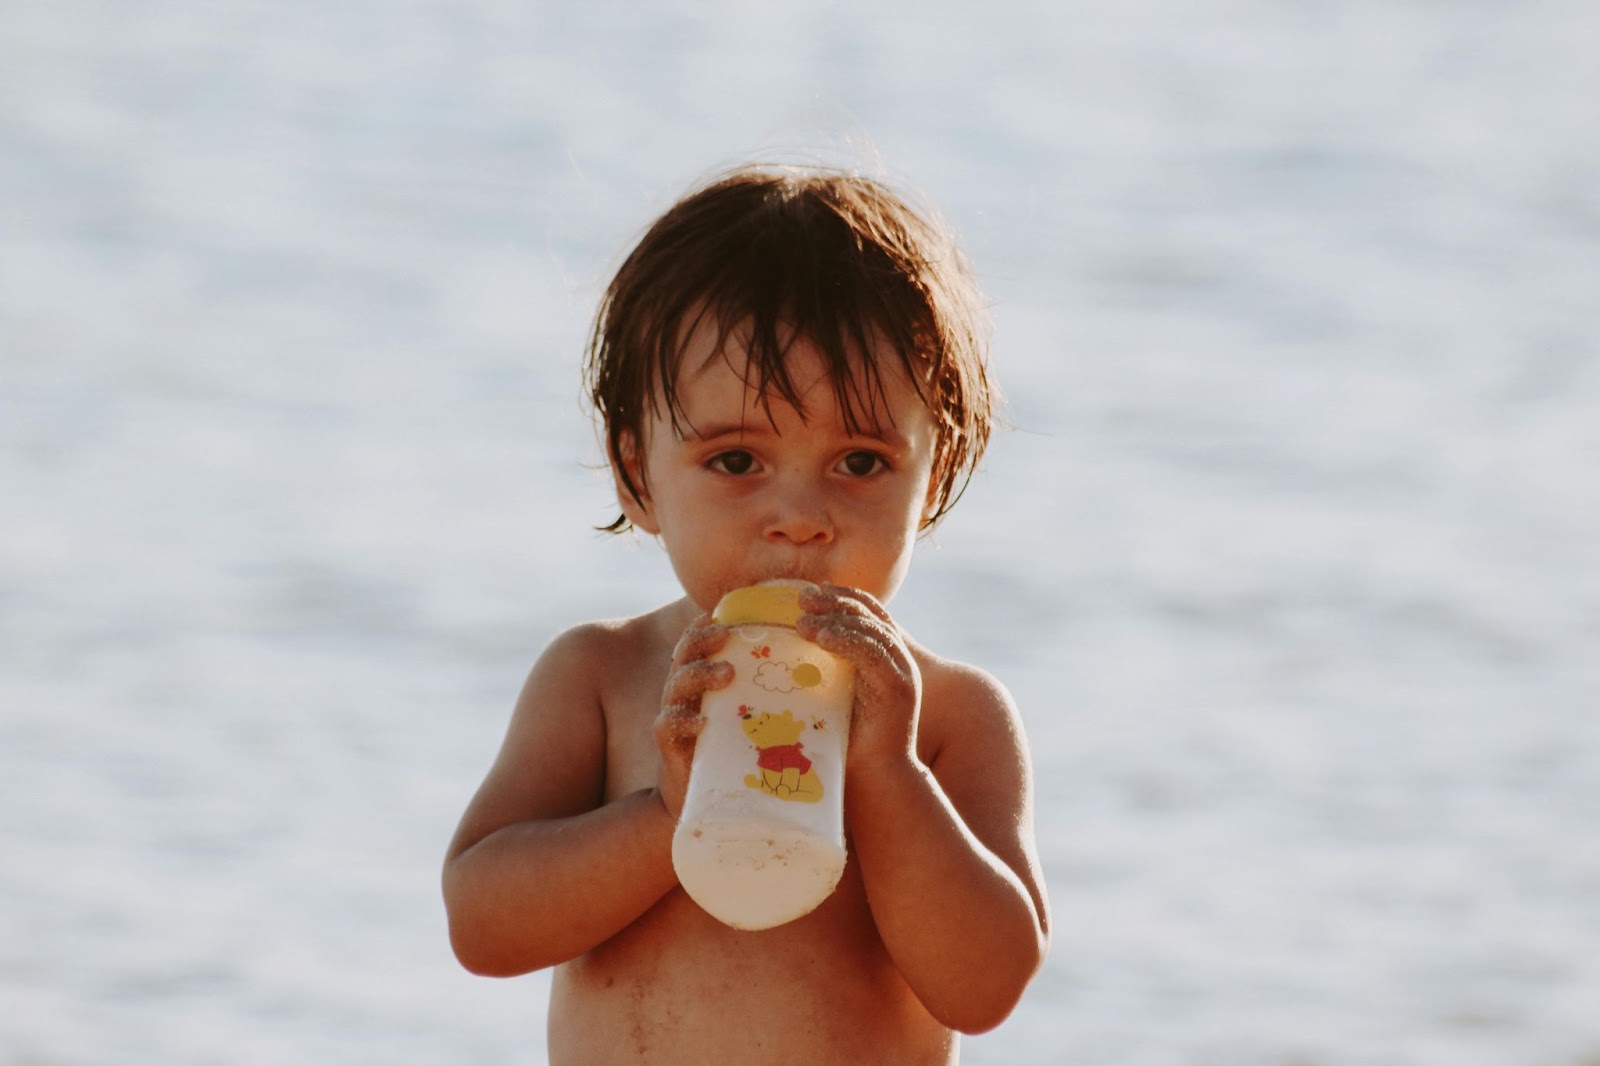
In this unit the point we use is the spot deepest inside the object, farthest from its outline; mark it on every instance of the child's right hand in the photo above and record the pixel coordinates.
(692, 675)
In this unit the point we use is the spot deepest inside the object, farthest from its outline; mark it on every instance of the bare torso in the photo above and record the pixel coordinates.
(677, 986)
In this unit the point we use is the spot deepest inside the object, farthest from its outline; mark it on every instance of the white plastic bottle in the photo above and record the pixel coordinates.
(760, 841)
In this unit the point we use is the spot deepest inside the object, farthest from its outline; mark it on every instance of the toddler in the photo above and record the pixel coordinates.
(790, 372)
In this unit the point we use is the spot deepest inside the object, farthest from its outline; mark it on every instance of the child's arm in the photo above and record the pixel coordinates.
(947, 853)
(541, 868)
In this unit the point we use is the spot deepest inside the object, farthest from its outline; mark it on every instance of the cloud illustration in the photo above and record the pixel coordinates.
(781, 677)
(775, 677)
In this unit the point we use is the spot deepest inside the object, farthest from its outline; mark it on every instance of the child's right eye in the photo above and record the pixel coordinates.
(735, 462)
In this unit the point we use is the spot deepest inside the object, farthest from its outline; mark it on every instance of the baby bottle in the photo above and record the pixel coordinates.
(760, 841)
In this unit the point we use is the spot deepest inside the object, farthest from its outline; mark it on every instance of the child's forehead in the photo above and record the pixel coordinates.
(784, 353)
(727, 364)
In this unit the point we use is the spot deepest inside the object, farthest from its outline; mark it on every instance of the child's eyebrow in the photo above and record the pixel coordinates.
(886, 435)
(716, 431)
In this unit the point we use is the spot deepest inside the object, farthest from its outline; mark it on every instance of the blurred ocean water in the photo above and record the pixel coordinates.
(1293, 549)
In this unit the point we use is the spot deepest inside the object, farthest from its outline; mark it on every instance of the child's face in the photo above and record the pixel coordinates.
(745, 495)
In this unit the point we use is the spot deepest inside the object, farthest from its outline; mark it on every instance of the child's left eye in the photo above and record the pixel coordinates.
(860, 464)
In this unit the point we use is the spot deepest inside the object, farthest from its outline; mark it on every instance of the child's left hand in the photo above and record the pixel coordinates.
(854, 626)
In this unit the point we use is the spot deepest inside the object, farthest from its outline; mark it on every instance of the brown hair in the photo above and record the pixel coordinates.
(781, 253)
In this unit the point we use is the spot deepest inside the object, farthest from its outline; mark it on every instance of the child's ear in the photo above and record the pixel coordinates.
(634, 501)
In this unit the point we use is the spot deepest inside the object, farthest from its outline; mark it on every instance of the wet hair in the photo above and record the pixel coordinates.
(774, 254)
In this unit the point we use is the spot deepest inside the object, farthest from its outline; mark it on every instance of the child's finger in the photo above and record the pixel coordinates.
(693, 680)
(700, 641)
(831, 599)
(678, 724)
(863, 640)
(680, 720)
(858, 619)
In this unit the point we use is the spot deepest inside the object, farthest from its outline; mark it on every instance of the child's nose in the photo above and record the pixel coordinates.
(800, 516)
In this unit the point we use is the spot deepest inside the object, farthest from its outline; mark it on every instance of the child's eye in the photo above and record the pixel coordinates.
(735, 462)
(861, 464)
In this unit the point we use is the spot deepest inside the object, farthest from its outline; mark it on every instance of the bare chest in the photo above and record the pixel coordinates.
(632, 759)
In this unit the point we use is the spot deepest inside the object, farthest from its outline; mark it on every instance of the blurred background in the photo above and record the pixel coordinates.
(1291, 554)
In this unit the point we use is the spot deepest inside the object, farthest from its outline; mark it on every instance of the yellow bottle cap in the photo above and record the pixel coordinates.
(774, 603)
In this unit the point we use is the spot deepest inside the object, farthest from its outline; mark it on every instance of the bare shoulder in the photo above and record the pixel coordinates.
(963, 704)
(971, 738)
(602, 639)
(564, 682)
(552, 762)
(608, 652)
